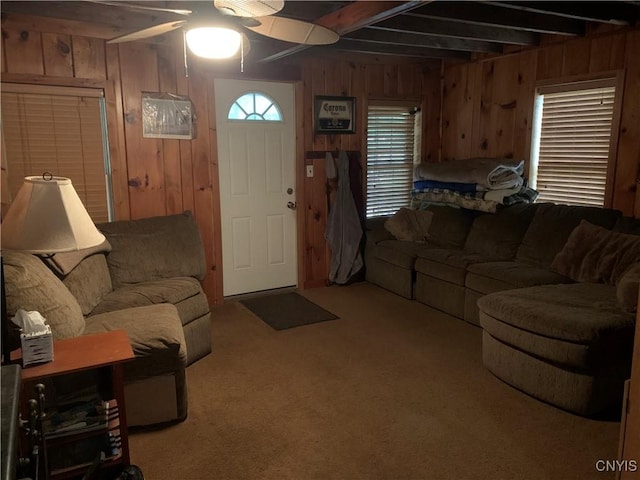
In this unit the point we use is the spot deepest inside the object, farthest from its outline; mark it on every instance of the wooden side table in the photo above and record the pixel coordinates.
(105, 353)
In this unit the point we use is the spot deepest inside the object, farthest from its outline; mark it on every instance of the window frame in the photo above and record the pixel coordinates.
(418, 139)
(273, 101)
(614, 78)
(97, 93)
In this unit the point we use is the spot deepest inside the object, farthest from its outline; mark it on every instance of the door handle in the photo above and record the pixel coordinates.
(292, 205)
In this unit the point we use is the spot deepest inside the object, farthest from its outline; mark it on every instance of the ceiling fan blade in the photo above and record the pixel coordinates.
(295, 31)
(136, 6)
(148, 32)
(249, 8)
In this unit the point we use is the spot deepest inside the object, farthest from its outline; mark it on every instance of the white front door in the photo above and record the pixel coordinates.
(256, 161)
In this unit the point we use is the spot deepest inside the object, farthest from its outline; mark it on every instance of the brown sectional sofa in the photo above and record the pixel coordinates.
(565, 342)
(144, 280)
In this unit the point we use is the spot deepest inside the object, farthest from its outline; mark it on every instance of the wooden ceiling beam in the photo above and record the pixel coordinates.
(380, 35)
(352, 17)
(398, 50)
(617, 13)
(450, 28)
(362, 13)
(476, 13)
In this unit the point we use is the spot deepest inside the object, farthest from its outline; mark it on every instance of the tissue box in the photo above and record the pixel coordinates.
(37, 347)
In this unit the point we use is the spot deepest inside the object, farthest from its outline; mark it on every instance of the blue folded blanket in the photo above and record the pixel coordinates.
(458, 187)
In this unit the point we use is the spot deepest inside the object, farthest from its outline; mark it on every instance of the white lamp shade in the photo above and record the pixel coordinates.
(47, 216)
(213, 42)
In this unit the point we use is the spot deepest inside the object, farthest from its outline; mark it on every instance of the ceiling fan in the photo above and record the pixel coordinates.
(217, 32)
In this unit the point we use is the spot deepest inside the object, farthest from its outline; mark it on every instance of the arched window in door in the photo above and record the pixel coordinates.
(255, 106)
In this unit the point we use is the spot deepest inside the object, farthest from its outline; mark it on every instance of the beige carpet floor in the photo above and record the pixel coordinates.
(391, 390)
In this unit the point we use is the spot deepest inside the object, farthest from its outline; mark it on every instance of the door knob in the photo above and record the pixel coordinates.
(292, 205)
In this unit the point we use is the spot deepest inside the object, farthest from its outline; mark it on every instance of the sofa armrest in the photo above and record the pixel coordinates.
(154, 248)
(375, 231)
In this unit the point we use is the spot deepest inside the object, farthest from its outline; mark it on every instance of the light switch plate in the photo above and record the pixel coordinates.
(309, 170)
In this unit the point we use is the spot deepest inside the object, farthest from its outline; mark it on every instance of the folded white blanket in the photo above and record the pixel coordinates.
(491, 173)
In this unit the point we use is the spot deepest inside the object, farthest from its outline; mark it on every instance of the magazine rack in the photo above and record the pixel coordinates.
(85, 407)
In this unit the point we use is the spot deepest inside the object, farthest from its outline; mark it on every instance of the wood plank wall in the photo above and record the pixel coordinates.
(375, 80)
(487, 106)
(149, 176)
(486, 111)
(162, 177)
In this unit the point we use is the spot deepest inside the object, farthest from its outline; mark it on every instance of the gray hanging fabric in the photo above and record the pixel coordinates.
(344, 231)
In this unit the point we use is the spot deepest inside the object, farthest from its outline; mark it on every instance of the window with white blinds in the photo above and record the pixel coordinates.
(571, 142)
(390, 158)
(62, 134)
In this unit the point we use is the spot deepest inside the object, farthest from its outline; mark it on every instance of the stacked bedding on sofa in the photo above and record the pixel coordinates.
(476, 184)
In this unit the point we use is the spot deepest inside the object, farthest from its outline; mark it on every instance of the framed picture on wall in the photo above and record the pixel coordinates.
(167, 116)
(334, 114)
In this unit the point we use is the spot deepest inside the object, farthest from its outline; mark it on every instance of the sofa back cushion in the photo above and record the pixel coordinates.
(551, 226)
(498, 235)
(154, 248)
(30, 285)
(627, 225)
(89, 282)
(597, 255)
(449, 226)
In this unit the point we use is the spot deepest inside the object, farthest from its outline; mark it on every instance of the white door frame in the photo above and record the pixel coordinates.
(299, 168)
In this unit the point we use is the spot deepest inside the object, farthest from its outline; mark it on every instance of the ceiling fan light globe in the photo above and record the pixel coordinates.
(213, 42)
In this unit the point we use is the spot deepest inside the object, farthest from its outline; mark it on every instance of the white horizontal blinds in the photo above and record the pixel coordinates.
(390, 148)
(574, 146)
(59, 134)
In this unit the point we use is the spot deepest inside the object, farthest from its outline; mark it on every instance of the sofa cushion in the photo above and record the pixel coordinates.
(497, 276)
(169, 290)
(449, 226)
(576, 356)
(627, 289)
(63, 263)
(551, 226)
(498, 235)
(89, 282)
(156, 336)
(595, 254)
(399, 253)
(579, 312)
(409, 225)
(30, 285)
(174, 240)
(449, 265)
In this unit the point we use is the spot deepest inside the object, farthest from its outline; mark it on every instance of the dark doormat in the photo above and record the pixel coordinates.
(287, 310)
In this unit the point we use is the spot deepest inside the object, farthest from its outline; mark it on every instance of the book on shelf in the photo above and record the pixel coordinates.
(79, 417)
(81, 454)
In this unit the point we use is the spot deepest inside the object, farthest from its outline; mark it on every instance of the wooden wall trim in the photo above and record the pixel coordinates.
(35, 79)
(115, 128)
(301, 227)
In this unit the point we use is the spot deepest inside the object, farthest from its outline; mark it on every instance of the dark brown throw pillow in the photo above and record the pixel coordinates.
(409, 225)
(597, 255)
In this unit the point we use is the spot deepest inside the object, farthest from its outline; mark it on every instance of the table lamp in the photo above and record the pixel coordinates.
(46, 217)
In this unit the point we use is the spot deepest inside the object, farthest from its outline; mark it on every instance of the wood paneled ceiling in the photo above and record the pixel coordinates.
(420, 30)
